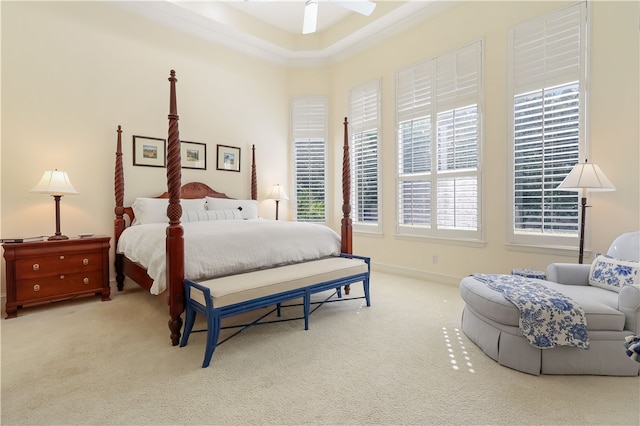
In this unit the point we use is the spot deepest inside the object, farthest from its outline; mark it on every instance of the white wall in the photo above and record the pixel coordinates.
(73, 71)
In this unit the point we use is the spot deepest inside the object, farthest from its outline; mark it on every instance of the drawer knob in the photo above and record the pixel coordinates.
(36, 267)
(61, 257)
(36, 287)
(85, 261)
(85, 280)
(62, 277)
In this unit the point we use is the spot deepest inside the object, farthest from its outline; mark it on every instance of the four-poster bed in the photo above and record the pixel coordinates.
(174, 250)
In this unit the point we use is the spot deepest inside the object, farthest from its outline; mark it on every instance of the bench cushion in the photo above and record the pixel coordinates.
(239, 288)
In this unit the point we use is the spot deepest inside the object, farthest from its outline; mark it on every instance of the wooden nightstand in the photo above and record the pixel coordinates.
(46, 271)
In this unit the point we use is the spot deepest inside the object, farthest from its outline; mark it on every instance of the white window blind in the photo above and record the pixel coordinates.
(364, 113)
(547, 68)
(309, 135)
(438, 144)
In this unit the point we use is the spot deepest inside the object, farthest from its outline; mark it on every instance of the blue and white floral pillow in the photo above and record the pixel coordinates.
(612, 274)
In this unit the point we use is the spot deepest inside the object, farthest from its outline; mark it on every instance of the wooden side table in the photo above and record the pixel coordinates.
(46, 271)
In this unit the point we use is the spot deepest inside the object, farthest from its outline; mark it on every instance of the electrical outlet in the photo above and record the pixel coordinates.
(434, 259)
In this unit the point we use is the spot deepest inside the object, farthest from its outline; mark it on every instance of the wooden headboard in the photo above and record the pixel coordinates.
(194, 190)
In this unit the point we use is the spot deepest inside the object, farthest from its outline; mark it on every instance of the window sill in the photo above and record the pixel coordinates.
(548, 249)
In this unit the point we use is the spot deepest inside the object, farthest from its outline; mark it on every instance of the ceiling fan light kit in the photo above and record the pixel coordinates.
(310, 20)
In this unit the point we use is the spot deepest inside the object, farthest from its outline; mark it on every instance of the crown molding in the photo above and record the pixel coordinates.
(223, 25)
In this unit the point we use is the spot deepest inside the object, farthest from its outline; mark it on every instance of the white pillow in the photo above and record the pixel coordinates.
(154, 210)
(612, 274)
(200, 215)
(248, 208)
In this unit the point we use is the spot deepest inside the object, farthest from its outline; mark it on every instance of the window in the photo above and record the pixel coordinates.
(438, 116)
(309, 135)
(364, 114)
(547, 68)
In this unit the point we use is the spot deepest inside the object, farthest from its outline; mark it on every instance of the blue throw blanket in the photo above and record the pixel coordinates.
(547, 318)
(632, 343)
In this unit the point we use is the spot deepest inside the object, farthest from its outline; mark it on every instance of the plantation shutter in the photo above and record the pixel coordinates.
(548, 55)
(365, 116)
(414, 87)
(547, 51)
(458, 83)
(309, 129)
(438, 144)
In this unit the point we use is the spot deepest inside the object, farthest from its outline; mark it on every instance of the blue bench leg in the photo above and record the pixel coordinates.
(213, 332)
(365, 285)
(278, 310)
(190, 318)
(307, 308)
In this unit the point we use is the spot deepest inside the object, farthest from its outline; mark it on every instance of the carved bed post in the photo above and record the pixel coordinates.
(119, 209)
(254, 184)
(346, 194)
(346, 228)
(175, 232)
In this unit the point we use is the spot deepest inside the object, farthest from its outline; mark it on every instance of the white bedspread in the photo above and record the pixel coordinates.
(225, 247)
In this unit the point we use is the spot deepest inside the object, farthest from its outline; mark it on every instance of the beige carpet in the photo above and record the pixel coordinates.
(401, 361)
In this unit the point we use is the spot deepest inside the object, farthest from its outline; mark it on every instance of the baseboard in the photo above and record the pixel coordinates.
(414, 273)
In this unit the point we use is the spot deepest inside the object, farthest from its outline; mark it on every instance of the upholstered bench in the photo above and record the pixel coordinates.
(230, 295)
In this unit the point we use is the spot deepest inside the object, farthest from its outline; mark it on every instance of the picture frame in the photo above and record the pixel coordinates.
(193, 155)
(149, 151)
(228, 158)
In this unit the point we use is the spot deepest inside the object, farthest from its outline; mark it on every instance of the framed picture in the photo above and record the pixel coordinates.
(150, 152)
(193, 155)
(228, 158)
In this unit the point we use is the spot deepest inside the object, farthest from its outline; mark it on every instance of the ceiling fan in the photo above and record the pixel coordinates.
(363, 7)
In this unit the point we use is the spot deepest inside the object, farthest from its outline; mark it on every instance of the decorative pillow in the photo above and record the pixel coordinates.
(193, 204)
(612, 274)
(154, 210)
(248, 208)
(203, 215)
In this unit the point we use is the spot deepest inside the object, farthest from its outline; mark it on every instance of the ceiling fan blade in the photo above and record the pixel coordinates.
(363, 7)
(310, 17)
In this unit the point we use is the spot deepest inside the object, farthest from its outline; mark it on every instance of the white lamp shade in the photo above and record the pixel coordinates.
(586, 176)
(54, 182)
(277, 193)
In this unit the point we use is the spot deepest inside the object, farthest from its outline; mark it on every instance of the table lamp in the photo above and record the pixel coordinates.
(277, 193)
(56, 183)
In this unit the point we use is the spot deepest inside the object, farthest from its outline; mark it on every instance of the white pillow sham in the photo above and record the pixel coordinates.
(200, 215)
(154, 210)
(612, 274)
(248, 208)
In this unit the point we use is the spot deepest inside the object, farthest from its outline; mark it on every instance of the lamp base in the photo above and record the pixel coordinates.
(57, 237)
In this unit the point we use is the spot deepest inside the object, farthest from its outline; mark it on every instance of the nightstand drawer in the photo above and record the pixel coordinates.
(52, 265)
(35, 288)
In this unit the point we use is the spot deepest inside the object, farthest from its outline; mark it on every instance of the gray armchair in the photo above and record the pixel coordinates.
(626, 247)
(610, 303)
